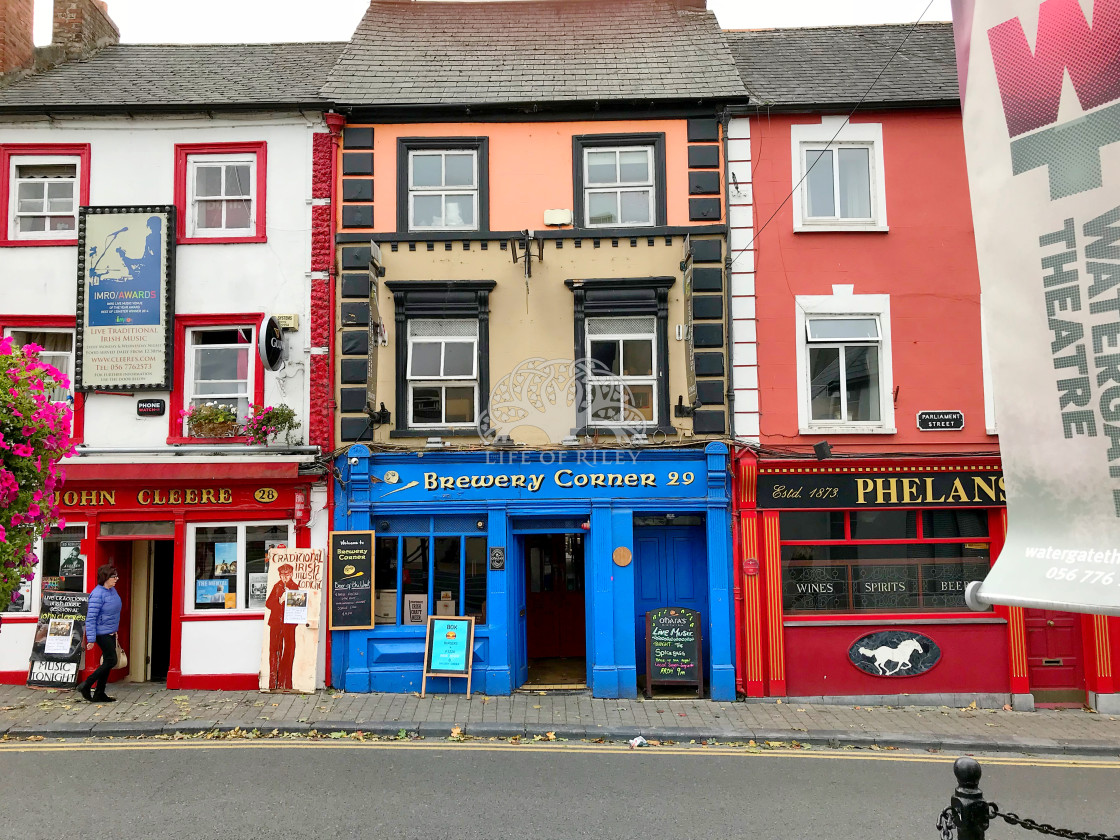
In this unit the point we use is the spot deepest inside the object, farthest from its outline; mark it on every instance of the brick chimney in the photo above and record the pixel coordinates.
(17, 45)
(81, 27)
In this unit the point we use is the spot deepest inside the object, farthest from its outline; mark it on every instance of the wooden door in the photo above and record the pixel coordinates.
(671, 570)
(554, 596)
(1054, 652)
(119, 553)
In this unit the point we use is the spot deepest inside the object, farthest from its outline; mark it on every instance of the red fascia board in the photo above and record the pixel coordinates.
(150, 472)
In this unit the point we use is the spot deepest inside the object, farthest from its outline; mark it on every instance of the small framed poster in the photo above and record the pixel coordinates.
(448, 649)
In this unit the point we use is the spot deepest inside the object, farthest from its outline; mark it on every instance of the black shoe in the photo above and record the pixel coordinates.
(84, 690)
(103, 698)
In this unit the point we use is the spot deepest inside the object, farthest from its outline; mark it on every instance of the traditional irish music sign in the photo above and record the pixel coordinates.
(674, 649)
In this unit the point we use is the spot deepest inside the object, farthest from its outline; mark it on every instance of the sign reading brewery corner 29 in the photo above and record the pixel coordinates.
(126, 276)
(799, 488)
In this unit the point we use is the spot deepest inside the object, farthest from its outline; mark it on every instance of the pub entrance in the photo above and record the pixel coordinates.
(1055, 666)
(555, 611)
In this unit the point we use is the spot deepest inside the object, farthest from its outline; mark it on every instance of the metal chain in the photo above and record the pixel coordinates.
(946, 826)
(1031, 825)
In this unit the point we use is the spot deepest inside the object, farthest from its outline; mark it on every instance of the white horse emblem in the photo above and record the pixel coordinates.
(885, 655)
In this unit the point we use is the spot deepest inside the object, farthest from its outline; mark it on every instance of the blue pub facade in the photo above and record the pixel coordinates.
(558, 554)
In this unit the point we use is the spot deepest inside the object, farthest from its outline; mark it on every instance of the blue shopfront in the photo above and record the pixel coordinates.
(557, 554)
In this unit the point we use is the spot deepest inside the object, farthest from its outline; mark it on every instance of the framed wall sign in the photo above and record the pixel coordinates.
(350, 573)
(448, 649)
(126, 298)
(940, 421)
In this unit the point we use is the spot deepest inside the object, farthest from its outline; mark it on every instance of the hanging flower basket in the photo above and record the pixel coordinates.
(212, 428)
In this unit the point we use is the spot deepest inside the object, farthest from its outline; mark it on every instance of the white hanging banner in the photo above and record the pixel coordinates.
(1040, 84)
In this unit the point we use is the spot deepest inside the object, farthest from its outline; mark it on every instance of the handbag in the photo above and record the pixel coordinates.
(122, 656)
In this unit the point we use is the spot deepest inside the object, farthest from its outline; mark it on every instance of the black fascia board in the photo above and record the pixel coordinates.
(541, 111)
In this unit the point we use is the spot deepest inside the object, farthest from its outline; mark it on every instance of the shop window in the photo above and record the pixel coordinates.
(62, 568)
(41, 188)
(220, 369)
(58, 351)
(434, 574)
(619, 180)
(442, 372)
(442, 184)
(838, 176)
(220, 192)
(884, 561)
(230, 568)
(442, 356)
(621, 336)
(844, 384)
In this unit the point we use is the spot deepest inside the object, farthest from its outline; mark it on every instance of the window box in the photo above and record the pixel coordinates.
(41, 188)
(443, 184)
(220, 192)
(619, 180)
(838, 176)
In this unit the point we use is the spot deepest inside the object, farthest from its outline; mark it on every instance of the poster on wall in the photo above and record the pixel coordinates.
(56, 650)
(126, 294)
(293, 611)
(1042, 137)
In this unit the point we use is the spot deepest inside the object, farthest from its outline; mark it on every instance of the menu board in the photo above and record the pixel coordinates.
(351, 577)
(56, 650)
(448, 649)
(674, 649)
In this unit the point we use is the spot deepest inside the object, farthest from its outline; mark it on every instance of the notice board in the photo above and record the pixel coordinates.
(448, 649)
(351, 578)
(674, 649)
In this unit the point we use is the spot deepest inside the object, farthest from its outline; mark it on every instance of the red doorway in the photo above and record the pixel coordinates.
(554, 596)
(119, 556)
(1055, 659)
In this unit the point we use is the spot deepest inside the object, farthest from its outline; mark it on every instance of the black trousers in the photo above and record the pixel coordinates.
(100, 678)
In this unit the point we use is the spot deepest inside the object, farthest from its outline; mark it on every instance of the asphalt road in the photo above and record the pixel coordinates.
(432, 791)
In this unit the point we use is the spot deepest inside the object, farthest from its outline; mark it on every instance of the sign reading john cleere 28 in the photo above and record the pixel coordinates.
(894, 653)
(782, 489)
(573, 475)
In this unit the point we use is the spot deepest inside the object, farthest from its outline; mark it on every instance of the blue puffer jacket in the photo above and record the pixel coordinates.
(103, 615)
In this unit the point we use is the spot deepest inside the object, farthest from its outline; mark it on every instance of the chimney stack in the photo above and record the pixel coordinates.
(81, 27)
(17, 44)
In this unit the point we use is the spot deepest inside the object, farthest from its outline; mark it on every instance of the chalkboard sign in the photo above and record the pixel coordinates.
(448, 649)
(674, 649)
(351, 577)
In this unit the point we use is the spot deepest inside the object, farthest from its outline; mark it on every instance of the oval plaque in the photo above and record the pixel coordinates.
(894, 653)
(622, 556)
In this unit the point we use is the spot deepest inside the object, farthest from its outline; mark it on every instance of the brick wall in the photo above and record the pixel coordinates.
(17, 46)
(81, 26)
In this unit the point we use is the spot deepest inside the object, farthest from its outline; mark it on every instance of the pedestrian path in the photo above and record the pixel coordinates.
(151, 709)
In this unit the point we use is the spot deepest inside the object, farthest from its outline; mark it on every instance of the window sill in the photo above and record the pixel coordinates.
(221, 240)
(894, 619)
(433, 432)
(38, 243)
(172, 441)
(847, 430)
(648, 429)
(833, 227)
(19, 618)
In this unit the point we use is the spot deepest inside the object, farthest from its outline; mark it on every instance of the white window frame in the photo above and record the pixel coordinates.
(805, 138)
(620, 186)
(842, 303)
(33, 589)
(46, 355)
(594, 380)
(14, 233)
(442, 190)
(189, 366)
(242, 572)
(194, 230)
(442, 381)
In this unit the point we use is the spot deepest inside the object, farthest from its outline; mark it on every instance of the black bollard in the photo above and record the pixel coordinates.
(970, 811)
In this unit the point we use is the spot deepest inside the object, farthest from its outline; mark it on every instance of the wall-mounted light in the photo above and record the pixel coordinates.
(521, 248)
(822, 450)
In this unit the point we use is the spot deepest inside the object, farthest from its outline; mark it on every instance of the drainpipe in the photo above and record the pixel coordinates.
(724, 121)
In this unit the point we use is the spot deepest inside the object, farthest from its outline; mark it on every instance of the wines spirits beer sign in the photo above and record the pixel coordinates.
(1040, 84)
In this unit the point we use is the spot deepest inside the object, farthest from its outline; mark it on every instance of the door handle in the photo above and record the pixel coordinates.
(1049, 623)
(522, 613)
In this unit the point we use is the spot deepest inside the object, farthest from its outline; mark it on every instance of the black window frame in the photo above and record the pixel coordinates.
(614, 297)
(582, 142)
(444, 300)
(481, 148)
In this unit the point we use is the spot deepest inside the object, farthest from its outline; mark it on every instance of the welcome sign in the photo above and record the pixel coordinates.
(1040, 85)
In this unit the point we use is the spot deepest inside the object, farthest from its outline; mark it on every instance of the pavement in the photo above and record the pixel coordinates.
(150, 709)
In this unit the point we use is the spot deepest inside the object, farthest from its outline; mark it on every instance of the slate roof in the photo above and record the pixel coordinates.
(431, 53)
(181, 76)
(837, 65)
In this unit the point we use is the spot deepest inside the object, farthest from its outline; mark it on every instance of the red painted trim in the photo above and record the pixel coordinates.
(10, 150)
(60, 322)
(176, 401)
(17, 618)
(219, 682)
(178, 597)
(241, 472)
(218, 616)
(918, 617)
(14, 677)
(185, 150)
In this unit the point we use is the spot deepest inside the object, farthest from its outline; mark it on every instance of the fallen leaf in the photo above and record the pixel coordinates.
(536, 707)
(1007, 707)
(550, 736)
(654, 743)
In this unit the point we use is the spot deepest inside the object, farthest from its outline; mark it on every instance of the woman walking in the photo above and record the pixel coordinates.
(102, 619)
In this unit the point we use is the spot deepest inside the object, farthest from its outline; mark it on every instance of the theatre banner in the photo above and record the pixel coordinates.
(126, 297)
(1041, 98)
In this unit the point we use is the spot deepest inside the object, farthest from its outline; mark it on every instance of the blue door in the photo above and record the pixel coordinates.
(671, 570)
(515, 569)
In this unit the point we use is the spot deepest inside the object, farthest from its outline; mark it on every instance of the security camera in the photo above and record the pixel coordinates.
(352, 462)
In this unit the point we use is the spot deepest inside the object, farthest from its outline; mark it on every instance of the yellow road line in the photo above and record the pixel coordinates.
(565, 747)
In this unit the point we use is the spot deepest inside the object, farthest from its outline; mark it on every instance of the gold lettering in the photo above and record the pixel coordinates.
(501, 481)
(881, 491)
(614, 481)
(69, 498)
(160, 497)
(989, 490)
(631, 480)
(192, 496)
(957, 494)
(88, 498)
(649, 480)
(108, 497)
(563, 476)
(1002, 496)
(207, 496)
(430, 481)
(144, 497)
(580, 480)
(517, 481)
(598, 480)
(929, 491)
(175, 496)
(446, 483)
(463, 482)
(863, 487)
(535, 482)
(910, 492)
(225, 496)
